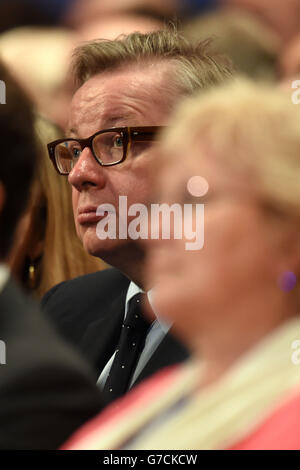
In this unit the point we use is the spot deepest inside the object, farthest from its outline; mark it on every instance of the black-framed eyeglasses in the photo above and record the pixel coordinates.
(108, 146)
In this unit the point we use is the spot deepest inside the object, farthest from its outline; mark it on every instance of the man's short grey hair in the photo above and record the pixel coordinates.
(196, 66)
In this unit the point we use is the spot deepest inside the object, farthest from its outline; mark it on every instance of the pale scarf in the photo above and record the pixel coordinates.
(215, 417)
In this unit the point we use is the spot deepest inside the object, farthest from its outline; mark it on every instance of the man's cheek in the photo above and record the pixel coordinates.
(78, 230)
(75, 207)
(75, 195)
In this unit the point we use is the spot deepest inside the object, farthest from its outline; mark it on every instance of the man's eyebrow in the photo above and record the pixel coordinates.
(71, 131)
(109, 122)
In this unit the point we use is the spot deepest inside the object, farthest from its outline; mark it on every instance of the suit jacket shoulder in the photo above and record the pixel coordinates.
(46, 389)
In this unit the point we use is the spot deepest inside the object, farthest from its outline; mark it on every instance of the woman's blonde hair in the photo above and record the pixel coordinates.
(251, 129)
(52, 219)
(251, 132)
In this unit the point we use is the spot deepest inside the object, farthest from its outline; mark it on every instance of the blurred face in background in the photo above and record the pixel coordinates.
(282, 15)
(39, 59)
(81, 13)
(111, 26)
(216, 284)
(289, 61)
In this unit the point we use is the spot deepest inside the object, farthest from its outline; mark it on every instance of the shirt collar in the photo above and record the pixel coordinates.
(134, 289)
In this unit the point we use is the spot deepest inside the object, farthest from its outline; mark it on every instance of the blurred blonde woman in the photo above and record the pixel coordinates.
(47, 249)
(236, 301)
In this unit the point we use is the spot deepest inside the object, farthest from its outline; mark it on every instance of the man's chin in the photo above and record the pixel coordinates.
(104, 249)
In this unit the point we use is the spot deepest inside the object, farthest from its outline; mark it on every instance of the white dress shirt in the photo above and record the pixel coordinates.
(156, 334)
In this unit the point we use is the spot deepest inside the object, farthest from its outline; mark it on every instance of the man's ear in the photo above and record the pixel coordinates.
(2, 196)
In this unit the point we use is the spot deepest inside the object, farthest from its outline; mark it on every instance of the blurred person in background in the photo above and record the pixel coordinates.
(46, 390)
(73, 13)
(86, 11)
(39, 59)
(123, 87)
(112, 26)
(251, 45)
(289, 61)
(47, 249)
(236, 301)
(283, 16)
(18, 13)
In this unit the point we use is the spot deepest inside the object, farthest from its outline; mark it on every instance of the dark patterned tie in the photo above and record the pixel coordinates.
(131, 343)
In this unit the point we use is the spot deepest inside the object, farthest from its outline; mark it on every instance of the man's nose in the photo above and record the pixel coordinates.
(87, 172)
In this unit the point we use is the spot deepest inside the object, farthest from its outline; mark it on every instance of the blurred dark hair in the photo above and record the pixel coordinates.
(17, 13)
(17, 157)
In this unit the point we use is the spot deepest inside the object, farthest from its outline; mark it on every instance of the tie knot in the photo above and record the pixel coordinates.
(135, 318)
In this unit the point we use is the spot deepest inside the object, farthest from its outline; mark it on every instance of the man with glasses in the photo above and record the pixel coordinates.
(126, 90)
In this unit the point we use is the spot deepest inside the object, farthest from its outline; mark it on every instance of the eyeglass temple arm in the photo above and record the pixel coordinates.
(142, 136)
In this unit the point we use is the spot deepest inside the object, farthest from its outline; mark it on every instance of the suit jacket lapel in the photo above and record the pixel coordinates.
(101, 337)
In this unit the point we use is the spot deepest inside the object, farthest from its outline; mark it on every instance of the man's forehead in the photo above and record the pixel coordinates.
(119, 82)
(117, 95)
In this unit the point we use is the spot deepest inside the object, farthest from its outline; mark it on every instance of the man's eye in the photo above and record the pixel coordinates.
(75, 152)
(117, 142)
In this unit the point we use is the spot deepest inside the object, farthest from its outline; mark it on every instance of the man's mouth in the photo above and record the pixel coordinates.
(87, 215)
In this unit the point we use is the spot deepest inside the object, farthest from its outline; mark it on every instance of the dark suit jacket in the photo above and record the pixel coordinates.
(89, 311)
(46, 389)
